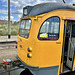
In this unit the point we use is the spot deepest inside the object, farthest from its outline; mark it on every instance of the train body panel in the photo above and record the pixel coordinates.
(43, 49)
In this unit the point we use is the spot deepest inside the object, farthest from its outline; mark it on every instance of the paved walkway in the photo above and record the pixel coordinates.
(5, 39)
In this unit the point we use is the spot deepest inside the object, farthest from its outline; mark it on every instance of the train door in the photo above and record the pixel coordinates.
(70, 54)
(23, 38)
(69, 47)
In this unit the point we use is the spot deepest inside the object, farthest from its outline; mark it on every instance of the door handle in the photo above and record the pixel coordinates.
(58, 42)
(20, 46)
(20, 40)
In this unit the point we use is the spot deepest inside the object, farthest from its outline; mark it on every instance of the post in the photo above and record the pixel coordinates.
(64, 1)
(9, 30)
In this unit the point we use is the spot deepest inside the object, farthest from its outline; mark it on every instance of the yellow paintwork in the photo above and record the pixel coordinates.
(44, 53)
(74, 63)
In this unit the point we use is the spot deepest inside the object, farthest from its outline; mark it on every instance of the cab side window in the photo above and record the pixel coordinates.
(25, 28)
(50, 29)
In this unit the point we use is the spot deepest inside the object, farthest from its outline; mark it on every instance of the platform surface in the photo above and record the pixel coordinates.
(6, 39)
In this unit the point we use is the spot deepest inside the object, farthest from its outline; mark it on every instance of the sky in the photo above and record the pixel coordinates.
(16, 7)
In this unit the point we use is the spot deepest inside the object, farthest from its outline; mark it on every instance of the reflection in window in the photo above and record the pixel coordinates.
(25, 28)
(50, 29)
(22, 24)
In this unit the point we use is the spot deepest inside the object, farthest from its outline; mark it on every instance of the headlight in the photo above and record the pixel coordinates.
(25, 12)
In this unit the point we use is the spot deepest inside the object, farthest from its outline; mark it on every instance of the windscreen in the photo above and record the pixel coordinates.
(50, 29)
(25, 28)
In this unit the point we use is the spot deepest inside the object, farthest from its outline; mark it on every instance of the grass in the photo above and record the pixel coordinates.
(4, 30)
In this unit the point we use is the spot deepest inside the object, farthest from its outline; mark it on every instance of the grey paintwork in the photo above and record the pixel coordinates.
(41, 71)
(46, 71)
(47, 7)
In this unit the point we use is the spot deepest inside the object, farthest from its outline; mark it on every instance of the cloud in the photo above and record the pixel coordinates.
(19, 4)
(3, 11)
(6, 18)
(11, 17)
(51, 0)
(20, 15)
(73, 1)
(17, 11)
(13, 2)
(3, 0)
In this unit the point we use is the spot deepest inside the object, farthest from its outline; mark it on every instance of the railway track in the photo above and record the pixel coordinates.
(7, 51)
(7, 46)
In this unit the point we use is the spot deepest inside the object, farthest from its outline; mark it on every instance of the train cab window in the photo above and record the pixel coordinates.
(50, 29)
(25, 28)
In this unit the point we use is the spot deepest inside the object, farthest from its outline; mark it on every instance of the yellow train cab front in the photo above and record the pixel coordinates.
(41, 39)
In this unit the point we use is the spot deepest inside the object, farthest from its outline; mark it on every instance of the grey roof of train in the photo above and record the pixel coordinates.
(47, 7)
